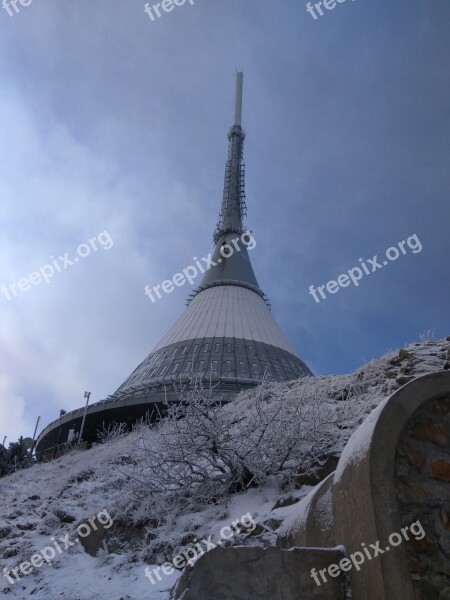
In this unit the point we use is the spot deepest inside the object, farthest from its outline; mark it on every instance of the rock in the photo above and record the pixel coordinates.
(440, 469)
(5, 530)
(83, 476)
(445, 594)
(441, 406)
(404, 379)
(405, 355)
(188, 539)
(403, 472)
(273, 524)
(414, 456)
(63, 516)
(15, 514)
(116, 536)
(417, 566)
(427, 589)
(26, 526)
(286, 501)
(443, 539)
(412, 493)
(94, 541)
(319, 473)
(423, 546)
(445, 518)
(443, 568)
(10, 552)
(428, 431)
(257, 531)
(126, 459)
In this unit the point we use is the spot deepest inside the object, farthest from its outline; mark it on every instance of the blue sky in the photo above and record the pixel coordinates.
(113, 122)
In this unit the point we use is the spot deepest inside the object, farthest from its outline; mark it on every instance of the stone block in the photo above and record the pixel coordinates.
(426, 431)
(261, 574)
(440, 469)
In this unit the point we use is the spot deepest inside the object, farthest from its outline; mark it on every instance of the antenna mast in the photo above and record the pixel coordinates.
(238, 98)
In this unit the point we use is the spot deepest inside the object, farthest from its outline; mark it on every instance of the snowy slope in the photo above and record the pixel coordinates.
(43, 504)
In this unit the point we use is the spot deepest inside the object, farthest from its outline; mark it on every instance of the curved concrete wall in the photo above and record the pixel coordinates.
(359, 504)
(312, 523)
(365, 505)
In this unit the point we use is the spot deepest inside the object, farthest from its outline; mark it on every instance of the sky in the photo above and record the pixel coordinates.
(114, 126)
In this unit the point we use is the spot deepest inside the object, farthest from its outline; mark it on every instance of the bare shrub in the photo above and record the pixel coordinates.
(111, 433)
(202, 452)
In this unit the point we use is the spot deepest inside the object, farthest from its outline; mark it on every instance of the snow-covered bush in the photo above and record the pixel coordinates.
(111, 433)
(202, 451)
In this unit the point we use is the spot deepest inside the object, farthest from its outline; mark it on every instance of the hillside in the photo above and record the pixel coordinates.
(43, 506)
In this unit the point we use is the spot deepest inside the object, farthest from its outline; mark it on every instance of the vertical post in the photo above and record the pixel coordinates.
(86, 395)
(4, 439)
(34, 434)
(238, 99)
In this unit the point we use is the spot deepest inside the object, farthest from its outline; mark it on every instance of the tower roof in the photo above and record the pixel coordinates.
(227, 311)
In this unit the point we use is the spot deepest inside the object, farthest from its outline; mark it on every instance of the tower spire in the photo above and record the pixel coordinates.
(237, 268)
(233, 208)
(238, 98)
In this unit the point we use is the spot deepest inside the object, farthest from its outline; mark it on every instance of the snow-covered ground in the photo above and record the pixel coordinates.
(43, 506)
(34, 501)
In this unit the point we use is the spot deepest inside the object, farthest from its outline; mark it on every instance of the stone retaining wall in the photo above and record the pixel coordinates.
(422, 475)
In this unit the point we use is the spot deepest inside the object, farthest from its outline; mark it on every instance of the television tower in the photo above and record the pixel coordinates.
(226, 335)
